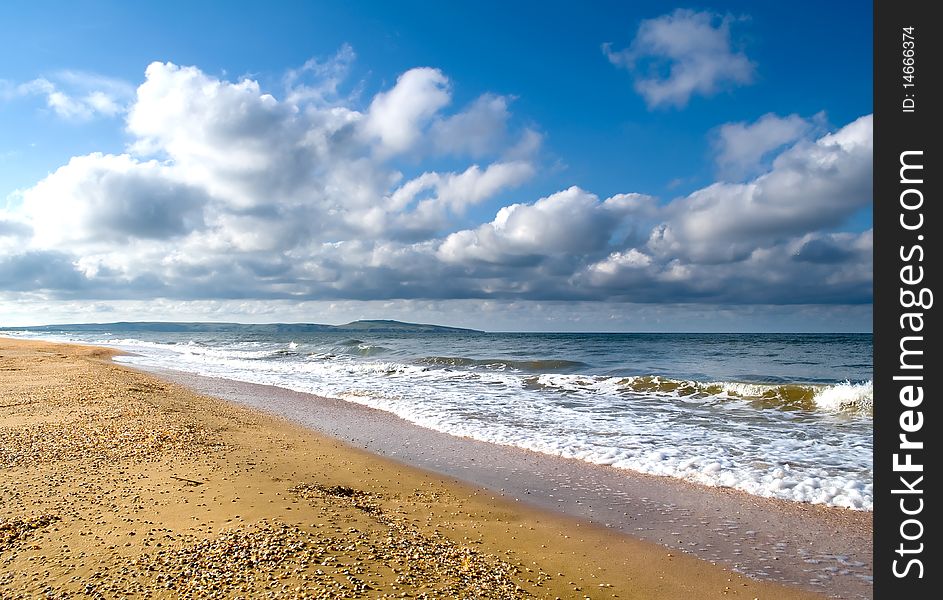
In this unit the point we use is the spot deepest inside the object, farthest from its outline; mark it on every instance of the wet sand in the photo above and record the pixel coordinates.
(117, 483)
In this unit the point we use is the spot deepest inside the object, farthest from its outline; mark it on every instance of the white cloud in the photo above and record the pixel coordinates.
(397, 117)
(811, 186)
(108, 199)
(103, 104)
(681, 54)
(457, 191)
(526, 147)
(615, 262)
(572, 221)
(741, 147)
(319, 81)
(826, 268)
(76, 96)
(243, 145)
(479, 130)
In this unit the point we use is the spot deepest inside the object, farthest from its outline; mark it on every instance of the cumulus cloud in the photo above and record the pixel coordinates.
(789, 272)
(229, 192)
(681, 54)
(397, 117)
(108, 199)
(812, 186)
(240, 143)
(569, 222)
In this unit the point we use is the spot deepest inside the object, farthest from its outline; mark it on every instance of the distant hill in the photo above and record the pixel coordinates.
(383, 325)
(368, 326)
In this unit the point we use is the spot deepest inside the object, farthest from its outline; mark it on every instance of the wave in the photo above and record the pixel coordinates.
(846, 395)
(360, 348)
(205, 351)
(556, 375)
(538, 366)
(839, 397)
(367, 350)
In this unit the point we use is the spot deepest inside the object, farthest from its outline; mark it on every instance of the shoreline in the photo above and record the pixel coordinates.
(816, 547)
(296, 469)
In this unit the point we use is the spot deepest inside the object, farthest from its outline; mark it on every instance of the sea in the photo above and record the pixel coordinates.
(785, 416)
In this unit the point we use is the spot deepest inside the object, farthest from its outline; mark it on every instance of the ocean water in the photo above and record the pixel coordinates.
(787, 416)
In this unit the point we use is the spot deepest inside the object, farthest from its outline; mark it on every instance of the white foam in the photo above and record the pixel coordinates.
(844, 395)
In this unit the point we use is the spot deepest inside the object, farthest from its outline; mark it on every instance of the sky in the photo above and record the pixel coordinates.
(644, 166)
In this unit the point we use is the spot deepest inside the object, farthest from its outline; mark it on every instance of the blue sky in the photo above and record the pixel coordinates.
(644, 127)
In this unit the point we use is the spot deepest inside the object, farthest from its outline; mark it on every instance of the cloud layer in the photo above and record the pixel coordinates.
(229, 192)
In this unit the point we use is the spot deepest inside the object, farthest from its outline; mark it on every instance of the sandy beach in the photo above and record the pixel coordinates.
(118, 483)
(822, 548)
